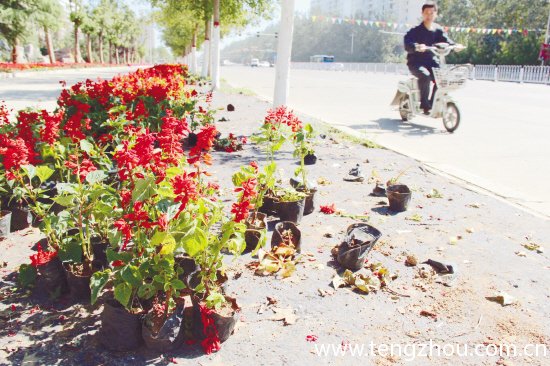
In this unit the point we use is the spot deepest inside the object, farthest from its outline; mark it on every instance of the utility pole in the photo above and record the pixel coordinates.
(352, 36)
(547, 36)
(284, 51)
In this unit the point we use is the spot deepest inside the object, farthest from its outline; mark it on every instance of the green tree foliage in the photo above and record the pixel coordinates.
(497, 48)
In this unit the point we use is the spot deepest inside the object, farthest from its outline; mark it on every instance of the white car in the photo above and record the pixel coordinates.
(264, 64)
(254, 62)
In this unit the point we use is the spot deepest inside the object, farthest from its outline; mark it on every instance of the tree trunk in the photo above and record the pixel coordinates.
(206, 48)
(77, 56)
(284, 53)
(216, 47)
(14, 50)
(193, 66)
(116, 55)
(110, 52)
(89, 48)
(49, 45)
(101, 58)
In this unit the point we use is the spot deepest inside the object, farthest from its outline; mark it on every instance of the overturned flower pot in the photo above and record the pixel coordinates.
(310, 159)
(360, 239)
(163, 337)
(399, 197)
(287, 233)
(120, 329)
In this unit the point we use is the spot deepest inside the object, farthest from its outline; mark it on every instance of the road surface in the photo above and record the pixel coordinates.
(41, 88)
(502, 144)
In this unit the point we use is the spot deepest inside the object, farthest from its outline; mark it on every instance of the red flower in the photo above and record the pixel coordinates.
(41, 257)
(205, 141)
(328, 209)
(281, 115)
(15, 153)
(185, 188)
(211, 342)
(4, 115)
(117, 263)
(162, 222)
(255, 166)
(240, 210)
(50, 131)
(248, 188)
(172, 132)
(80, 168)
(311, 338)
(122, 226)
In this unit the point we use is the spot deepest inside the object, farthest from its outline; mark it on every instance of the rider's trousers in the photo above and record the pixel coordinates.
(425, 76)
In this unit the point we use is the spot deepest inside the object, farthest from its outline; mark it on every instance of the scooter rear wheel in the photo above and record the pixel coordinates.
(451, 117)
(404, 108)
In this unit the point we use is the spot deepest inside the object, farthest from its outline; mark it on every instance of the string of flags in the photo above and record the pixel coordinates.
(406, 26)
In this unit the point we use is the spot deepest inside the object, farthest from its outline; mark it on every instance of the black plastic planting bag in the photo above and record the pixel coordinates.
(281, 227)
(120, 330)
(360, 239)
(291, 211)
(52, 278)
(170, 334)
(399, 197)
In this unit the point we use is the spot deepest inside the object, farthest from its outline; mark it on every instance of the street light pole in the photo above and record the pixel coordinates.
(352, 36)
(284, 51)
(547, 36)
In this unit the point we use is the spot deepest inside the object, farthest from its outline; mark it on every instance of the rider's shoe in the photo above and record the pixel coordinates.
(426, 112)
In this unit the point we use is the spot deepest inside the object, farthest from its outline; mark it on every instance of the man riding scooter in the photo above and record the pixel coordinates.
(421, 62)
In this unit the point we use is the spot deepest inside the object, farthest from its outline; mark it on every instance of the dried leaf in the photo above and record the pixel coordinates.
(503, 298)
(286, 315)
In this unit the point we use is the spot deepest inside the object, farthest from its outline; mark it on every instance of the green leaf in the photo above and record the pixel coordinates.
(26, 276)
(177, 284)
(97, 282)
(68, 188)
(131, 275)
(44, 172)
(146, 291)
(144, 189)
(87, 146)
(168, 248)
(123, 291)
(30, 171)
(195, 244)
(65, 201)
(97, 176)
(70, 251)
(158, 238)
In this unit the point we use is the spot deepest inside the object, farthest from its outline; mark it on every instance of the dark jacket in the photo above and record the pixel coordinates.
(421, 35)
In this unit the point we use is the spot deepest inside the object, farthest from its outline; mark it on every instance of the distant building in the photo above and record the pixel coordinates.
(401, 11)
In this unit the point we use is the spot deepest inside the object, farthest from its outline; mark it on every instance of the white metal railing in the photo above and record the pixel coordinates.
(509, 73)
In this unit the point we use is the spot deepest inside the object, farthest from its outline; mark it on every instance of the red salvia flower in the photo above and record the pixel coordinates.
(328, 209)
(123, 227)
(117, 263)
(185, 189)
(15, 154)
(50, 131)
(211, 341)
(80, 168)
(173, 130)
(240, 210)
(41, 257)
(205, 141)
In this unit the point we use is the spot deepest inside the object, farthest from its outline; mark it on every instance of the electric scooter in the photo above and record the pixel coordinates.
(447, 78)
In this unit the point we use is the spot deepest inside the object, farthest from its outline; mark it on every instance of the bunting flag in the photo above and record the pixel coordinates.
(404, 26)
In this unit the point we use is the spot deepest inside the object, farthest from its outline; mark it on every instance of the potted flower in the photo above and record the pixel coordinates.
(301, 151)
(289, 204)
(252, 186)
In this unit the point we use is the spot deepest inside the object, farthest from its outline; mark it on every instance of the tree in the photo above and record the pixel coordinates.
(89, 27)
(15, 16)
(78, 17)
(47, 15)
(102, 16)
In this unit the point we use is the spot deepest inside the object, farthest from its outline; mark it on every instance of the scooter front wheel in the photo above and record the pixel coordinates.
(451, 117)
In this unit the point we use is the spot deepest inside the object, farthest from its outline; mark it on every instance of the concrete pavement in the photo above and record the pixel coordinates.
(501, 145)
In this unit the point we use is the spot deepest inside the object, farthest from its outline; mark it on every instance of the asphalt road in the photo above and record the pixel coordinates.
(501, 145)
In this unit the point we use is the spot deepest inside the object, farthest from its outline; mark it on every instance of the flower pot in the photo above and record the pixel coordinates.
(21, 217)
(291, 211)
(52, 278)
(78, 280)
(5, 223)
(278, 236)
(310, 200)
(99, 249)
(310, 159)
(255, 223)
(399, 197)
(360, 239)
(169, 336)
(268, 205)
(192, 139)
(224, 321)
(120, 329)
(190, 270)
